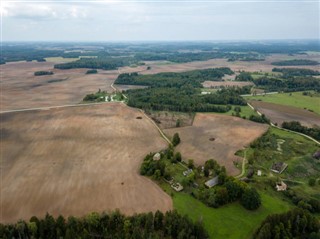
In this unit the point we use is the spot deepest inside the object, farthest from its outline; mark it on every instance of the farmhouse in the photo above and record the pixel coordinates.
(278, 167)
(281, 186)
(212, 182)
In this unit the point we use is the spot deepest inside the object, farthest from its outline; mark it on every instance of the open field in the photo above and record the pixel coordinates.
(229, 221)
(218, 84)
(296, 99)
(280, 113)
(20, 89)
(230, 134)
(52, 163)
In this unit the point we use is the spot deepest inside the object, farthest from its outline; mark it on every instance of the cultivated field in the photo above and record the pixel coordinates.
(51, 163)
(228, 135)
(21, 89)
(218, 84)
(280, 113)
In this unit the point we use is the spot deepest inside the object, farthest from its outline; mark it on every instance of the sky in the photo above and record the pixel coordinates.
(156, 20)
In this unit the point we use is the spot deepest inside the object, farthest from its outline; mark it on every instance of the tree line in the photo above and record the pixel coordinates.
(105, 63)
(295, 62)
(107, 225)
(296, 126)
(289, 72)
(42, 73)
(296, 223)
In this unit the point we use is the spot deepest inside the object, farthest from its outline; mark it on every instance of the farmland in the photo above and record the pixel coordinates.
(310, 101)
(230, 134)
(280, 113)
(52, 163)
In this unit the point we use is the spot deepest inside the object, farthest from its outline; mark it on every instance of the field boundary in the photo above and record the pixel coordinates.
(160, 131)
(52, 107)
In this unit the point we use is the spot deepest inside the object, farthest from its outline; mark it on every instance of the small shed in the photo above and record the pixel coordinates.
(259, 173)
(212, 182)
(157, 157)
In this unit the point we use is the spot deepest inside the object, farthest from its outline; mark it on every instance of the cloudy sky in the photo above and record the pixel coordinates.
(149, 20)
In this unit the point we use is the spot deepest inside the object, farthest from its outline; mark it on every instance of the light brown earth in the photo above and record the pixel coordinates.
(280, 113)
(230, 133)
(217, 84)
(73, 161)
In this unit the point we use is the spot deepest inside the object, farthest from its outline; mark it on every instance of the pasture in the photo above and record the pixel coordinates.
(229, 133)
(76, 160)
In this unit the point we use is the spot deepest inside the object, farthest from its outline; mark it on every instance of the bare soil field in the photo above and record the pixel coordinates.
(51, 163)
(280, 113)
(20, 89)
(217, 84)
(217, 137)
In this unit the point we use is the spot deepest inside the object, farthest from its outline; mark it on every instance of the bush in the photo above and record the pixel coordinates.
(176, 139)
(312, 182)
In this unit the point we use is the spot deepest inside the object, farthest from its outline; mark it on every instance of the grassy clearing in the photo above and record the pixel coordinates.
(230, 221)
(245, 111)
(296, 99)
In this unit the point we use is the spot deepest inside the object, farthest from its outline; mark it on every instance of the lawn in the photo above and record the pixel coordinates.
(296, 99)
(231, 220)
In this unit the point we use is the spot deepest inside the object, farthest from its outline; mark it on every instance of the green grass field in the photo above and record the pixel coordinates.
(245, 111)
(296, 99)
(230, 221)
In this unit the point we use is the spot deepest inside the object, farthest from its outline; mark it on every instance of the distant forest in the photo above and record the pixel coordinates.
(168, 51)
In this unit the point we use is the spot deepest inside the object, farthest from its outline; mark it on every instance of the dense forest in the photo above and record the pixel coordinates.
(168, 79)
(296, 62)
(109, 226)
(179, 91)
(105, 63)
(296, 223)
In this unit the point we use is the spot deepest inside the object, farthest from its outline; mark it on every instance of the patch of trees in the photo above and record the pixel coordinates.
(296, 126)
(296, 223)
(289, 84)
(105, 63)
(194, 78)
(107, 225)
(295, 62)
(184, 99)
(244, 76)
(288, 72)
(96, 97)
(92, 71)
(42, 73)
(259, 119)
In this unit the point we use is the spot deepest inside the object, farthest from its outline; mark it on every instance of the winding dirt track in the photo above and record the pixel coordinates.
(73, 161)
